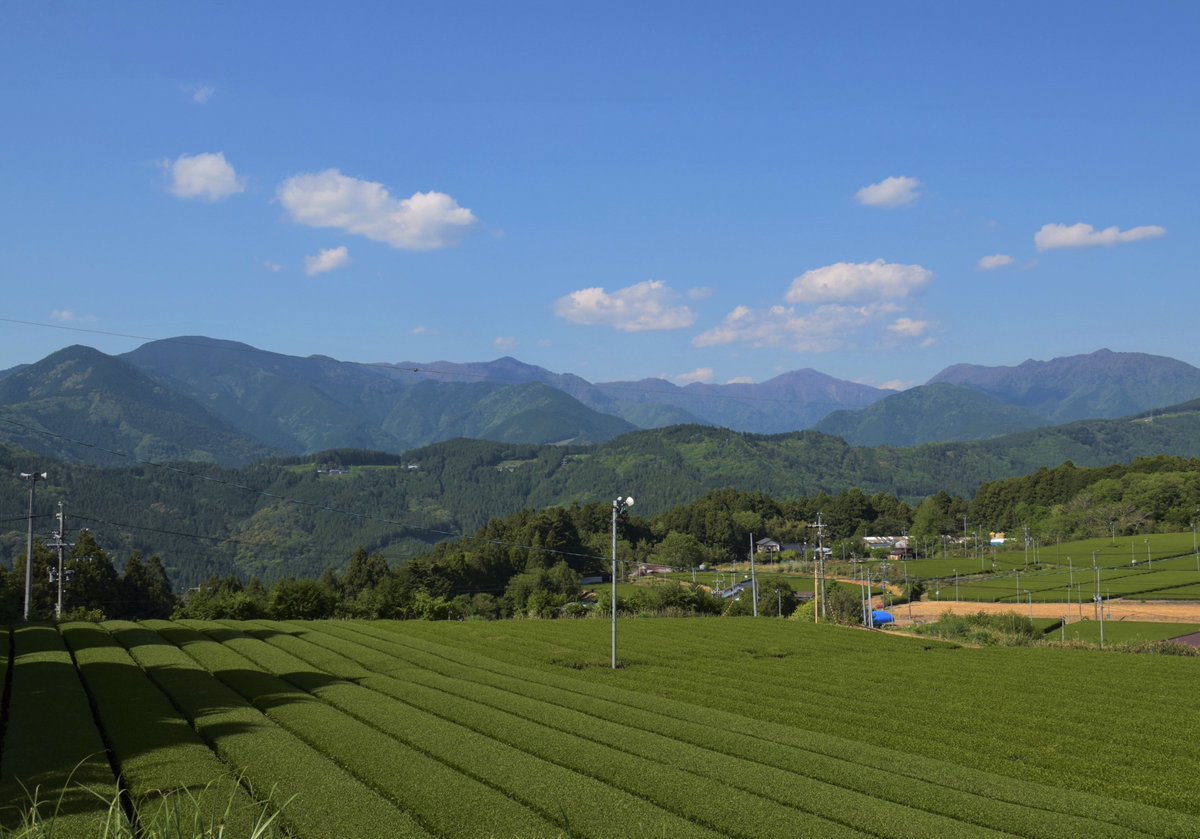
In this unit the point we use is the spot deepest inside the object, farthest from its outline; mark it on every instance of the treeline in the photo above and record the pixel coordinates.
(92, 589)
(534, 561)
(282, 519)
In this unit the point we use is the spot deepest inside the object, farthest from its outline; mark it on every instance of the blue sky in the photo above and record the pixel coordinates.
(697, 191)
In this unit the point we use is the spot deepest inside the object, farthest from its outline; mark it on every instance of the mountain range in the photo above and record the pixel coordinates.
(202, 399)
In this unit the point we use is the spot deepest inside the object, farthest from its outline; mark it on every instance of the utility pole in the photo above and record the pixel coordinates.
(61, 545)
(33, 478)
(620, 505)
(819, 610)
(907, 593)
(753, 578)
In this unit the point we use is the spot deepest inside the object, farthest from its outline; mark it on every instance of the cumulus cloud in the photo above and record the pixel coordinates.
(907, 327)
(822, 329)
(890, 192)
(70, 316)
(741, 380)
(504, 342)
(701, 293)
(700, 374)
(423, 222)
(1081, 235)
(644, 307)
(327, 259)
(206, 176)
(857, 281)
(991, 263)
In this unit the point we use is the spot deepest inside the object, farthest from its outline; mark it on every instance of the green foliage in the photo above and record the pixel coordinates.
(155, 749)
(271, 759)
(990, 630)
(53, 755)
(301, 599)
(932, 413)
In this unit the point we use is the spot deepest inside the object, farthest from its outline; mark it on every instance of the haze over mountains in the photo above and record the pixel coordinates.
(196, 398)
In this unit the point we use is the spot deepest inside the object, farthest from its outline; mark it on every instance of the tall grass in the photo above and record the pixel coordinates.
(176, 814)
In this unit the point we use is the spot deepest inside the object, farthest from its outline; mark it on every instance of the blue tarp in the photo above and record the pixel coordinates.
(881, 618)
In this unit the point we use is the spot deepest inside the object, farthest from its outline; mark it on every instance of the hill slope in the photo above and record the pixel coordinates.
(1103, 384)
(402, 504)
(82, 393)
(317, 403)
(934, 413)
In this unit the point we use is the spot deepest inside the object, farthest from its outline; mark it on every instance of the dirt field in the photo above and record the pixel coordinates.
(1120, 610)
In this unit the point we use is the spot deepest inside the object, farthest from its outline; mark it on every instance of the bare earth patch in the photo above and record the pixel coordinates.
(1120, 610)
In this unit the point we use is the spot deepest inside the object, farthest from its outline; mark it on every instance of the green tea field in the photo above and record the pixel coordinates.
(711, 727)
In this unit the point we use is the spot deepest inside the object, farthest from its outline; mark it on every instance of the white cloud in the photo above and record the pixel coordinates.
(273, 267)
(896, 384)
(644, 307)
(424, 222)
(741, 380)
(929, 342)
(908, 328)
(822, 329)
(1085, 236)
(700, 374)
(991, 263)
(890, 192)
(201, 93)
(327, 259)
(857, 280)
(701, 293)
(422, 330)
(504, 342)
(70, 316)
(206, 176)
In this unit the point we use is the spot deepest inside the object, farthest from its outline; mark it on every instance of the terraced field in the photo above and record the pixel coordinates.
(717, 727)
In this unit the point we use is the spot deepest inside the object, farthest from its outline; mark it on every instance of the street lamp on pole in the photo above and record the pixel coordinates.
(33, 478)
(620, 505)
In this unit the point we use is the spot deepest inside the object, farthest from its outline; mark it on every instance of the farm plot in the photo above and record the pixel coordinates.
(52, 752)
(1069, 585)
(712, 727)
(155, 748)
(1125, 632)
(968, 708)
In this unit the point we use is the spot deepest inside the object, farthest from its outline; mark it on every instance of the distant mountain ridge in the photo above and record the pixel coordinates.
(202, 398)
(83, 393)
(1100, 385)
(934, 413)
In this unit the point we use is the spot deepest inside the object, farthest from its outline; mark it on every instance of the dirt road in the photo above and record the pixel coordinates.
(1120, 610)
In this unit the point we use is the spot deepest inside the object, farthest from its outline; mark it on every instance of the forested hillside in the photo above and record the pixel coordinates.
(302, 515)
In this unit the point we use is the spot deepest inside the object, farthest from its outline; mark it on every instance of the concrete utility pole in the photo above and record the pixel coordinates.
(620, 505)
(33, 478)
(60, 544)
(821, 563)
(753, 578)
